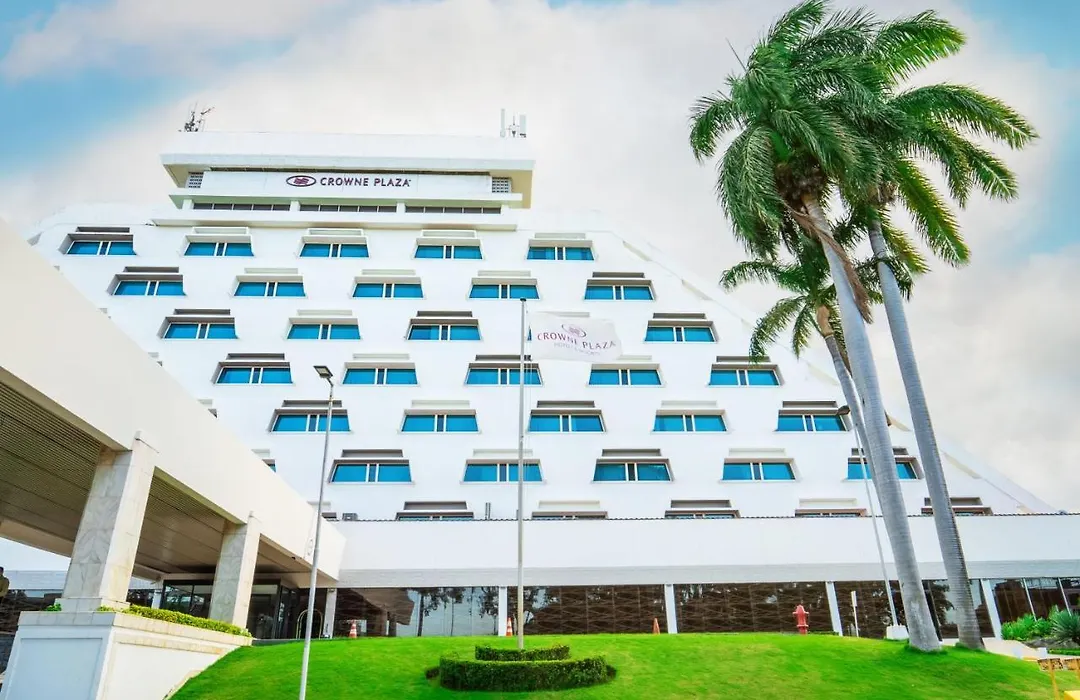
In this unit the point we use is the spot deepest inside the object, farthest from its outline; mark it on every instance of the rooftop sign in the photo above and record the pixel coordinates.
(353, 181)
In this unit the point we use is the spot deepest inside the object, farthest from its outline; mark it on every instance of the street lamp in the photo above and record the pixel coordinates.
(324, 372)
(843, 411)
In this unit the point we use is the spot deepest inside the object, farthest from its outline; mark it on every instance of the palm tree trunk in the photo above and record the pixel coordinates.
(879, 445)
(944, 520)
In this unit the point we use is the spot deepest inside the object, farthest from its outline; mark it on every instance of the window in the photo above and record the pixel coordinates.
(440, 423)
(219, 249)
(492, 376)
(324, 331)
(560, 252)
(254, 375)
(566, 423)
(689, 423)
(810, 423)
(370, 473)
(961, 505)
(310, 422)
(349, 208)
(830, 513)
(701, 510)
(269, 289)
(743, 377)
(618, 291)
(758, 471)
(90, 247)
(380, 376)
(451, 210)
(905, 471)
(500, 185)
(679, 334)
(504, 291)
(460, 252)
(239, 206)
(501, 472)
(631, 471)
(149, 288)
(201, 330)
(624, 377)
(387, 290)
(443, 331)
(334, 250)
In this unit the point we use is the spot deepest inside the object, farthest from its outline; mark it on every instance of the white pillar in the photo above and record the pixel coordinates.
(669, 608)
(834, 608)
(103, 555)
(500, 628)
(991, 606)
(159, 593)
(294, 205)
(235, 572)
(329, 612)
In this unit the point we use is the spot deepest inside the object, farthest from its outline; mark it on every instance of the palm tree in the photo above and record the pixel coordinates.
(798, 107)
(933, 123)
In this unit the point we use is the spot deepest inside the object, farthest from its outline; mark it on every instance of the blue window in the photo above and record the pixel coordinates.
(904, 470)
(370, 473)
(444, 331)
(461, 252)
(440, 423)
(149, 288)
(810, 423)
(758, 471)
(334, 250)
(618, 291)
(689, 423)
(625, 377)
(309, 423)
(254, 375)
(491, 376)
(560, 252)
(219, 249)
(85, 247)
(566, 423)
(324, 331)
(387, 290)
(504, 291)
(679, 334)
(743, 377)
(269, 289)
(212, 331)
(373, 376)
(632, 471)
(501, 472)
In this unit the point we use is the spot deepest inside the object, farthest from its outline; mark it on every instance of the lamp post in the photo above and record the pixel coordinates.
(843, 411)
(325, 373)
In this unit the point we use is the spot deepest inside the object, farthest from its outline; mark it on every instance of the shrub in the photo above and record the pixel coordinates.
(1066, 652)
(432, 672)
(1020, 630)
(1065, 626)
(181, 619)
(558, 652)
(55, 607)
(460, 673)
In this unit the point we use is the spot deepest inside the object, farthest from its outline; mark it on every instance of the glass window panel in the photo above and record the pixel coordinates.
(604, 377)
(532, 377)
(131, 288)
(660, 334)
(354, 250)
(857, 470)
(400, 375)
(423, 332)
(315, 250)
(776, 471)
(696, 334)
(481, 472)
(599, 292)
(467, 252)
(221, 331)
(338, 423)
(461, 424)
(201, 248)
(541, 253)
(458, 332)
(906, 470)
(791, 424)
(350, 473)
(122, 248)
(484, 375)
(359, 375)
(762, 377)
(304, 331)
(84, 248)
(724, 377)
(182, 330)
(524, 291)
(544, 424)
(418, 424)
(251, 289)
(653, 472)
(669, 424)
(170, 288)
(394, 473)
(823, 424)
(578, 254)
(645, 377)
(610, 472)
(707, 423)
(484, 291)
(586, 424)
(344, 331)
(234, 375)
(290, 424)
(290, 289)
(532, 472)
(738, 471)
(238, 250)
(429, 251)
(637, 293)
(408, 291)
(368, 289)
(276, 375)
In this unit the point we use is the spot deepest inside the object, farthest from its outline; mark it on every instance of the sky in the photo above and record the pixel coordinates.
(91, 89)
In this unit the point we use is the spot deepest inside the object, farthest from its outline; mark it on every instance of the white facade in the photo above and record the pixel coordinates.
(288, 177)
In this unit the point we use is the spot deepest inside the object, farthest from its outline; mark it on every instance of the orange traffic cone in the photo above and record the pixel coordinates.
(509, 627)
(352, 630)
(655, 626)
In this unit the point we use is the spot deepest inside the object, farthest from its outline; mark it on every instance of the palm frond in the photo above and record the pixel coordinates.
(768, 328)
(990, 173)
(803, 328)
(748, 192)
(760, 271)
(933, 218)
(796, 23)
(906, 45)
(710, 118)
(903, 249)
(968, 109)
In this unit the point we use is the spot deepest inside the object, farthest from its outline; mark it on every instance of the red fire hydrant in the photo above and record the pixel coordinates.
(801, 617)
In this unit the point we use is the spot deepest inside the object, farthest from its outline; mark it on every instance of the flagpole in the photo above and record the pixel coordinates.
(521, 489)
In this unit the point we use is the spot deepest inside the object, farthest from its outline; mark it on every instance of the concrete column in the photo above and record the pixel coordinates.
(159, 593)
(834, 608)
(187, 204)
(231, 595)
(500, 628)
(103, 555)
(294, 205)
(991, 606)
(669, 608)
(329, 612)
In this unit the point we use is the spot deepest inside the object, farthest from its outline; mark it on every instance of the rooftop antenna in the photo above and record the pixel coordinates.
(196, 119)
(516, 128)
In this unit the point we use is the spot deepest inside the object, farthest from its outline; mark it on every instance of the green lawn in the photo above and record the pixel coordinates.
(759, 666)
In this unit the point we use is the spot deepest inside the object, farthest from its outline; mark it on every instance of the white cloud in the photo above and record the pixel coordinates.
(607, 90)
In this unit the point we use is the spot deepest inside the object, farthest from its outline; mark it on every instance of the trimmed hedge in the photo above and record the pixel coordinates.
(180, 618)
(1066, 652)
(460, 673)
(559, 652)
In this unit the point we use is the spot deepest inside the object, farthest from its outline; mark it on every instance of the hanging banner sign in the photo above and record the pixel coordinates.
(576, 339)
